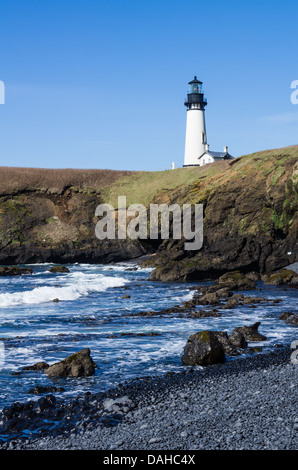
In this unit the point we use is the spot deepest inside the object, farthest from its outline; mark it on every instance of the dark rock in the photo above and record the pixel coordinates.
(203, 348)
(224, 292)
(253, 276)
(250, 333)
(125, 297)
(56, 300)
(204, 313)
(39, 390)
(224, 340)
(79, 364)
(231, 303)
(44, 403)
(284, 276)
(237, 339)
(237, 281)
(211, 298)
(14, 271)
(290, 317)
(38, 366)
(59, 269)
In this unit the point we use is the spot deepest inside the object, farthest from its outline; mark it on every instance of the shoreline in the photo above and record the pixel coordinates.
(248, 403)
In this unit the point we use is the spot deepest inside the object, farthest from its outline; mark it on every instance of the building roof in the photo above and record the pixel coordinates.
(195, 80)
(217, 155)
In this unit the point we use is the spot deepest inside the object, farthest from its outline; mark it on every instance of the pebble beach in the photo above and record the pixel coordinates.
(246, 404)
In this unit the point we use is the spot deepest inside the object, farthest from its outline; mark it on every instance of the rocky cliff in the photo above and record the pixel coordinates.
(49, 216)
(250, 215)
(250, 219)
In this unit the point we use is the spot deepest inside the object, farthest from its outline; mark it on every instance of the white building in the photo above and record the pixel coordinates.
(197, 151)
(210, 157)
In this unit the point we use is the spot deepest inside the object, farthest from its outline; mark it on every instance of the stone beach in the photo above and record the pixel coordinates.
(247, 403)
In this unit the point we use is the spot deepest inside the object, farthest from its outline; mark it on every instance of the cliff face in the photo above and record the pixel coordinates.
(250, 215)
(250, 220)
(49, 216)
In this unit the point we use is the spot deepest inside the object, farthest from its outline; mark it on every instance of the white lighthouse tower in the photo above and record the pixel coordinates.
(196, 137)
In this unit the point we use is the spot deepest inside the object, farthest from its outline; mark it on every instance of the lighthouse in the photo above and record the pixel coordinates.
(196, 137)
(197, 151)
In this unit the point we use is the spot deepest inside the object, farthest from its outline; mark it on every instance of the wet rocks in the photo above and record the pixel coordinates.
(228, 346)
(39, 366)
(237, 339)
(59, 269)
(283, 276)
(79, 364)
(290, 317)
(39, 390)
(203, 348)
(210, 347)
(117, 405)
(14, 271)
(250, 333)
(236, 280)
(211, 298)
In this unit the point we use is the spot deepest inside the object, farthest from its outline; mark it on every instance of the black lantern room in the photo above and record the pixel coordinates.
(195, 97)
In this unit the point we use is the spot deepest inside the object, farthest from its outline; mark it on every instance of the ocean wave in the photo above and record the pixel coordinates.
(78, 285)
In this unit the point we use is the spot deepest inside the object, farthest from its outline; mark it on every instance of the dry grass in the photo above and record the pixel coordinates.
(14, 180)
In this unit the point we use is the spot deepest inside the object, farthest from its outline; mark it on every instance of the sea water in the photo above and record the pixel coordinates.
(92, 313)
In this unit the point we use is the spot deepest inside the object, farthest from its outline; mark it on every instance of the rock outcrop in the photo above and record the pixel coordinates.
(79, 364)
(59, 269)
(211, 347)
(203, 349)
(283, 276)
(250, 333)
(250, 221)
(291, 318)
(14, 271)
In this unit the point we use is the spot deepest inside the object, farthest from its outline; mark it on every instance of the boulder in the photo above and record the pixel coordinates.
(231, 303)
(79, 364)
(237, 339)
(14, 271)
(224, 292)
(203, 349)
(236, 280)
(59, 269)
(250, 333)
(211, 298)
(38, 366)
(284, 276)
(290, 317)
(228, 347)
(39, 390)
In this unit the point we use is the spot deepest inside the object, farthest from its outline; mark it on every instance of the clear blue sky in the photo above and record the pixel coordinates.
(101, 84)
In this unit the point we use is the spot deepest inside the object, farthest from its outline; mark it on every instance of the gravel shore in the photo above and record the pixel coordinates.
(247, 403)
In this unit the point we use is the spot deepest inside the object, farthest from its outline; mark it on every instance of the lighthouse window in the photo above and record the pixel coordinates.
(195, 88)
(203, 138)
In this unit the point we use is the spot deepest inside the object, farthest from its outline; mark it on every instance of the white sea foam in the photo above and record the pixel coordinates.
(77, 285)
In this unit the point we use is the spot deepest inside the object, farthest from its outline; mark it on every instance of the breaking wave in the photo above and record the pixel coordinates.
(76, 286)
